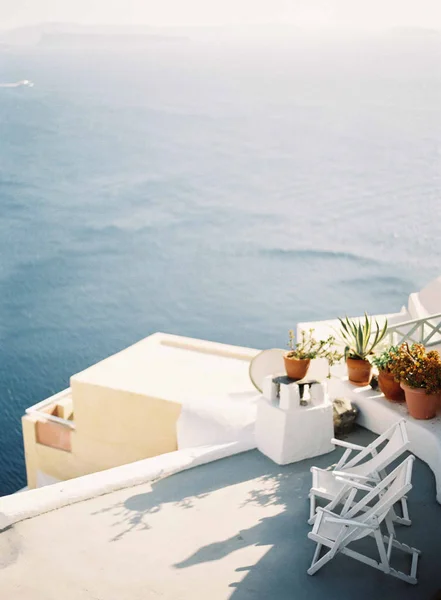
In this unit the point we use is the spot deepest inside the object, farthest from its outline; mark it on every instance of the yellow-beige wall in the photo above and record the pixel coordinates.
(112, 428)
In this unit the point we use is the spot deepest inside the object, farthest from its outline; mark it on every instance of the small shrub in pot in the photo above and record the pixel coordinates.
(300, 354)
(419, 372)
(388, 384)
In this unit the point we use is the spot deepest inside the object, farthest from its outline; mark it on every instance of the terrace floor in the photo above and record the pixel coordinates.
(235, 528)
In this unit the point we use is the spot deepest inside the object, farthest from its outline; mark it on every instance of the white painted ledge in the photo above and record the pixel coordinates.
(377, 414)
(17, 507)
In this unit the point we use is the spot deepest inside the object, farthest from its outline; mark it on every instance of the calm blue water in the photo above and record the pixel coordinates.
(212, 192)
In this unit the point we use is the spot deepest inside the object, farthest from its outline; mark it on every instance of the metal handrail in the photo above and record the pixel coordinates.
(426, 330)
(36, 409)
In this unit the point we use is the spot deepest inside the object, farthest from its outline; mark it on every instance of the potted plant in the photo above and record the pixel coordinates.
(330, 353)
(298, 358)
(387, 383)
(361, 339)
(419, 372)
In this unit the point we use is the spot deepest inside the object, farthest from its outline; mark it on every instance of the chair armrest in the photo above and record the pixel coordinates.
(332, 517)
(347, 444)
(326, 510)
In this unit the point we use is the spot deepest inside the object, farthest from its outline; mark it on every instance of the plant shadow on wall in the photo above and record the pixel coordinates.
(279, 552)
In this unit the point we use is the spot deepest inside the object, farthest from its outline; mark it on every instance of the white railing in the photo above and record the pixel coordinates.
(425, 331)
(37, 409)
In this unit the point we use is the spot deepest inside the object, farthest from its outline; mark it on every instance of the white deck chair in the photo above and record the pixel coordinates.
(337, 531)
(368, 462)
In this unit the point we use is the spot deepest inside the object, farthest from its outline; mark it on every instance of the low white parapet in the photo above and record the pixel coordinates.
(377, 414)
(17, 507)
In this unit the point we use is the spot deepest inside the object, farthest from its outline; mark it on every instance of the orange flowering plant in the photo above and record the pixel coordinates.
(416, 367)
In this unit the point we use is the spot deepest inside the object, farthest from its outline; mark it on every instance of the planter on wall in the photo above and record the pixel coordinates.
(391, 389)
(419, 404)
(359, 371)
(54, 435)
(296, 368)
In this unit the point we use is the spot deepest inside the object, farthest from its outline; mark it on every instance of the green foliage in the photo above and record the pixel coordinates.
(384, 361)
(309, 347)
(360, 337)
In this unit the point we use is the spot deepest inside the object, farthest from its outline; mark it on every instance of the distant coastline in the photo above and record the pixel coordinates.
(103, 40)
(53, 35)
(74, 35)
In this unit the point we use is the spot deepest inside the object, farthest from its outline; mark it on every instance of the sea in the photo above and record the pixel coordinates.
(213, 189)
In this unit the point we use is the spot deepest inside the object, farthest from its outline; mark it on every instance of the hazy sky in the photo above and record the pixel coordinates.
(308, 13)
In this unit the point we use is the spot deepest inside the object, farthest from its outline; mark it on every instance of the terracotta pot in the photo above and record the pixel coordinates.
(296, 368)
(359, 371)
(419, 404)
(391, 389)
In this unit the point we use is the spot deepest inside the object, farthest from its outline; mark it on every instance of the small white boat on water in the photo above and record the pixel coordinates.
(16, 84)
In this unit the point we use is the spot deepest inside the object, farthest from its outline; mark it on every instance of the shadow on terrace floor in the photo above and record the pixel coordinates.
(281, 573)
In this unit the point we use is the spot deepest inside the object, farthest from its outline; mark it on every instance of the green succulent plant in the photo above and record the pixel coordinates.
(384, 360)
(360, 337)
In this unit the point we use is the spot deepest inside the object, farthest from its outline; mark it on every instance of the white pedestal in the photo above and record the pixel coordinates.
(287, 436)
